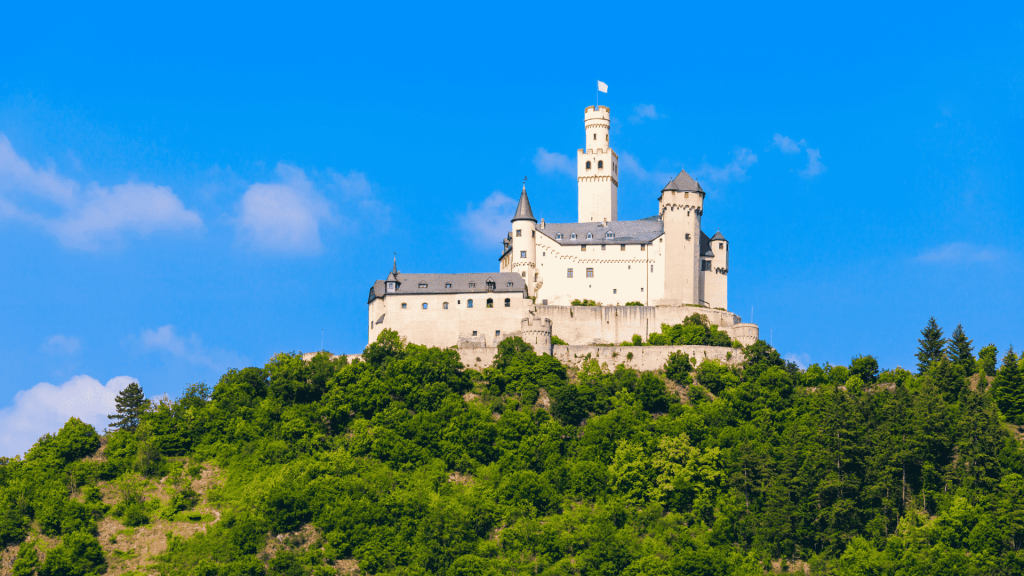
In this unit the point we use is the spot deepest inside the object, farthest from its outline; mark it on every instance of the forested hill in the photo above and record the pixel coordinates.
(406, 463)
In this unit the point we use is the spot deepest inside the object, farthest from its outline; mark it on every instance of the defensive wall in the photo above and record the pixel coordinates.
(582, 325)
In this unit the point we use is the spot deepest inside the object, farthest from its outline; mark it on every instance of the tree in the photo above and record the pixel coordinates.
(131, 403)
(1009, 389)
(678, 367)
(930, 349)
(866, 367)
(960, 351)
(987, 360)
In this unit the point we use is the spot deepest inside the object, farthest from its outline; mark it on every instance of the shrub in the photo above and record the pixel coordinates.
(678, 367)
(585, 303)
(556, 341)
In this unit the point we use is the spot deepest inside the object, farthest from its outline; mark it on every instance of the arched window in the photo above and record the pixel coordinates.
(588, 164)
(508, 302)
(572, 236)
(424, 305)
(600, 163)
(445, 306)
(490, 302)
(590, 236)
(403, 305)
(595, 135)
(469, 303)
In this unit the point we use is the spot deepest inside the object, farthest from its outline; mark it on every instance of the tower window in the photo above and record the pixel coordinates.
(615, 290)
(605, 137)
(403, 305)
(569, 273)
(600, 163)
(469, 304)
(508, 302)
(522, 253)
(445, 305)
(519, 232)
(533, 234)
(474, 332)
(424, 305)
(590, 272)
(490, 302)
(497, 332)
(595, 135)
(588, 164)
(524, 274)
(687, 236)
(721, 245)
(705, 265)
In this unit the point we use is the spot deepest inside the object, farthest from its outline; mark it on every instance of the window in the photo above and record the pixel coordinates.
(423, 284)
(652, 267)
(544, 302)
(569, 273)
(595, 135)
(490, 302)
(615, 290)
(543, 253)
(424, 305)
(687, 236)
(490, 284)
(623, 246)
(558, 236)
(583, 248)
(535, 276)
(524, 274)
(605, 137)
(391, 286)
(445, 305)
(590, 236)
(609, 234)
(469, 304)
(474, 332)
(508, 302)
(588, 164)
(572, 236)
(497, 332)
(600, 163)
(642, 247)
(604, 247)
(510, 284)
(590, 272)
(403, 305)
(721, 245)
(522, 253)
(472, 284)
(519, 232)
(705, 265)
(641, 289)
(448, 285)
(533, 234)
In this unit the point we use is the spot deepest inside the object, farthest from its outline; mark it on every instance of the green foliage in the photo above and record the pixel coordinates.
(78, 554)
(634, 303)
(130, 404)
(1009, 388)
(678, 367)
(987, 360)
(930, 346)
(556, 341)
(584, 302)
(960, 351)
(27, 560)
(865, 368)
(695, 330)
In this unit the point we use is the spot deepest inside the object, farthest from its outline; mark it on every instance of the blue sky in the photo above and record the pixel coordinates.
(185, 189)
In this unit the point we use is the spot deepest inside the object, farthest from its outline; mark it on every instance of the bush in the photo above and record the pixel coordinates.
(585, 303)
(678, 367)
(78, 555)
(634, 304)
(556, 341)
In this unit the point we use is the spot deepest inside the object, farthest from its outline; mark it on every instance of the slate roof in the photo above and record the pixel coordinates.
(625, 231)
(409, 284)
(523, 211)
(718, 236)
(683, 183)
(705, 245)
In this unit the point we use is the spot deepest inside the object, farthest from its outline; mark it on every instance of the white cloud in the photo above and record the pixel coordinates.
(803, 360)
(547, 162)
(814, 165)
(487, 224)
(86, 220)
(628, 164)
(61, 344)
(959, 253)
(743, 158)
(283, 217)
(45, 408)
(359, 198)
(191, 349)
(787, 144)
(644, 112)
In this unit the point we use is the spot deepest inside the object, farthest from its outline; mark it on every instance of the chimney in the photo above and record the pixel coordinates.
(605, 222)
(541, 223)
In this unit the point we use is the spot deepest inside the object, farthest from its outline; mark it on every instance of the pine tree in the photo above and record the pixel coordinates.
(987, 360)
(930, 349)
(131, 403)
(1009, 389)
(960, 350)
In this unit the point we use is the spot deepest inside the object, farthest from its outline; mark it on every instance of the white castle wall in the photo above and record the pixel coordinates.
(584, 325)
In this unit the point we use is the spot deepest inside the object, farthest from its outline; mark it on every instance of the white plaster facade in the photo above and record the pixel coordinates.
(665, 262)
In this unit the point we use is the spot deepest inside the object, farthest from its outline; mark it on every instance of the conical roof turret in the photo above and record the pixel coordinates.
(523, 211)
(394, 270)
(683, 183)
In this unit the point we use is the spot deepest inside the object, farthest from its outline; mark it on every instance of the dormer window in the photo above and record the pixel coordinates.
(609, 235)
(490, 285)
(588, 164)
(558, 236)
(590, 236)
(423, 284)
(472, 284)
(448, 285)
(572, 236)
(509, 284)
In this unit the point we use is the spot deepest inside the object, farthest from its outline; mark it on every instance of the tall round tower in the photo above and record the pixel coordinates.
(597, 169)
(680, 206)
(524, 242)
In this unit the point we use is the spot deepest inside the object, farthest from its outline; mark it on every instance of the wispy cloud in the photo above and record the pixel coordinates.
(548, 162)
(61, 344)
(628, 164)
(485, 225)
(644, 112)
(959, 253)
(743, 158)
(92, 216)
(358, 197)
(790, 146)
(45, 408)
(191, 349)
(802, 359)
(283, 217)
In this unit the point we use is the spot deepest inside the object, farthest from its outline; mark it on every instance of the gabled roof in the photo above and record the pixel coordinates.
(623, 231)
(523, 211)
(683, 183)
(705, 245)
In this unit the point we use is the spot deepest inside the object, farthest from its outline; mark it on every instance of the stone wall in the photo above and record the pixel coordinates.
(643, 357)
(587, 325)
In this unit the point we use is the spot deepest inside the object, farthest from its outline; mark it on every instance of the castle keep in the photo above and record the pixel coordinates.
(665, 262)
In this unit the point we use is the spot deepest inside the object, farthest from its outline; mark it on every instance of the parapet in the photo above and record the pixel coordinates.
(537, 331)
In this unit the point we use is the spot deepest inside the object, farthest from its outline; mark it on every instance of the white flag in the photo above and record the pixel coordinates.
(602, 87)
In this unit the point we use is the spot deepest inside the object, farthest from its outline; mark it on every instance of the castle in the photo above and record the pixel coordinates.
(664, 263)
